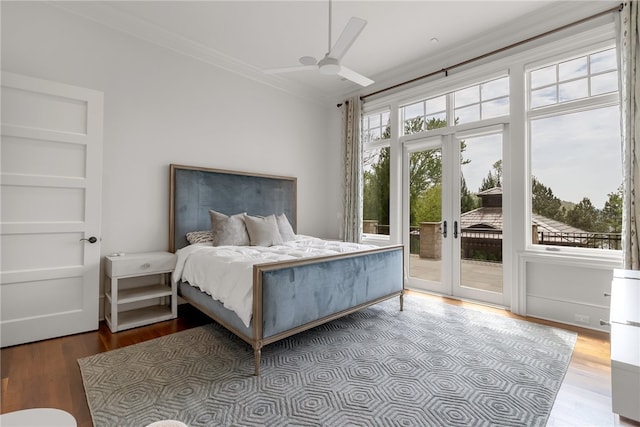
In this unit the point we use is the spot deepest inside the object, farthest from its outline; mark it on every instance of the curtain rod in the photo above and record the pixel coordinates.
(500, 50)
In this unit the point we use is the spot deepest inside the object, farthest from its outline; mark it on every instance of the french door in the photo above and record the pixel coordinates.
(453, 214)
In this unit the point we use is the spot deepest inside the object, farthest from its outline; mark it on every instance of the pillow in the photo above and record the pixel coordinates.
(228, 230)
(200, 236)
(286, 231)
(263, 231)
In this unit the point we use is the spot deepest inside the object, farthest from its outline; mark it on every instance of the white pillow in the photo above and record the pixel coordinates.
(286, 231)
(228, 230)
(263, 231)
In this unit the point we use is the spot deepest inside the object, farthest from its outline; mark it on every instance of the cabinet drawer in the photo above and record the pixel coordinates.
(625, 346)
(625, 294)
(138, 264)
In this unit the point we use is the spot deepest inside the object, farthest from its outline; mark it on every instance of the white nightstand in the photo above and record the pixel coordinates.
(158, 300)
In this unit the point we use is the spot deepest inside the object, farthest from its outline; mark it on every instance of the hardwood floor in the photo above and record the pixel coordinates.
(46, 373)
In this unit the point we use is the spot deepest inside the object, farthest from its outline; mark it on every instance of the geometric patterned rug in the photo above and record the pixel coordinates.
(432, 364)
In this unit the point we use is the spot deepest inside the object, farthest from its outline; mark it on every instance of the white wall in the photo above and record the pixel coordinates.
(162, 107)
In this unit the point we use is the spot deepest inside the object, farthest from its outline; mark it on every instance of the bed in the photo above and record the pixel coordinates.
(287, 296)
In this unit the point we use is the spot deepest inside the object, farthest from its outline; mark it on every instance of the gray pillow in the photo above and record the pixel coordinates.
(228, 230)
(263, 231)
(286, 231)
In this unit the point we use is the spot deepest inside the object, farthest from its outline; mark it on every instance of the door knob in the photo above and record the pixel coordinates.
(91, 239)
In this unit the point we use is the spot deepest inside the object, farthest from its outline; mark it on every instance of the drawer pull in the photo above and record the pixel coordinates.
(146, 265)
(605, 323)
(607, 294)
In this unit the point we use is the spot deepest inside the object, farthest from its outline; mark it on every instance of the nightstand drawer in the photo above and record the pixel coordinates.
(136, 264)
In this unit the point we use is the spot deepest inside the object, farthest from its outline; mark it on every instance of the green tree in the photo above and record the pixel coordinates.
(584, 216)
(544, 202)
(468, 201)
(612, 212)
(425, 177)
(493, 178)
(376, 187)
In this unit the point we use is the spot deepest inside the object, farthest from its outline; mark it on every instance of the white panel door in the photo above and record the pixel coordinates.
(51, 164)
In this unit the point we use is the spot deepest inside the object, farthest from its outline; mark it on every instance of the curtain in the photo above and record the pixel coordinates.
(352, 216)
(629, 45)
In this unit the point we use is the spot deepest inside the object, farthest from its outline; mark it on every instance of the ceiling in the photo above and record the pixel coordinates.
(247, 37)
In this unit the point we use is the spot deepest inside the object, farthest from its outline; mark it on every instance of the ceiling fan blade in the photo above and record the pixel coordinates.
(354, 77)
(290, 69)
(349, 35)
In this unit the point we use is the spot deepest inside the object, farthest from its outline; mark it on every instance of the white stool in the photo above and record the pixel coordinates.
(38, 417)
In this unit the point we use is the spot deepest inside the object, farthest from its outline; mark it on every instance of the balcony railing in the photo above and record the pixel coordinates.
(611, 241)
(489, 241)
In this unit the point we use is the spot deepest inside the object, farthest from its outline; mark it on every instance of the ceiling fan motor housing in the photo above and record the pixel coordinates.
(329, 66)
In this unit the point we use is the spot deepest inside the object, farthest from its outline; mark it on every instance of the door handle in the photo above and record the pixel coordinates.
(91, 239)
(455, 229)
(444, 229)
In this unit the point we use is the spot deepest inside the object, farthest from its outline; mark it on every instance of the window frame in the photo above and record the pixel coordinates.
(371, 146)
(589, 103)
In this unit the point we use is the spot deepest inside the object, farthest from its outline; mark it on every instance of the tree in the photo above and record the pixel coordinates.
(612, 212)
(493, 179)
(425, 177)
(376, 187)
(468, 201)
(584, 216)
(544, 202)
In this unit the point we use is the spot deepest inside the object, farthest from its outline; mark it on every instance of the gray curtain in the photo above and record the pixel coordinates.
(629, 43)
(352, 216)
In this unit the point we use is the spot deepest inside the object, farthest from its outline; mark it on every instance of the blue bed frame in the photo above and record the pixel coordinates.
(288, 296)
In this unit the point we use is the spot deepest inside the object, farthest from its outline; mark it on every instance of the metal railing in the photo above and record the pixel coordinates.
(611, 241)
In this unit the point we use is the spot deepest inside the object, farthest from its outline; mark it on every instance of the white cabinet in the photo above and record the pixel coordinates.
(133, 306)
(625, 343)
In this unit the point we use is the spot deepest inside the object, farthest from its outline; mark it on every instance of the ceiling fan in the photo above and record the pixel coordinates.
(330, 64)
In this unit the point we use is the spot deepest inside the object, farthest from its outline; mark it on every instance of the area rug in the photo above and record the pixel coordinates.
(432, 364)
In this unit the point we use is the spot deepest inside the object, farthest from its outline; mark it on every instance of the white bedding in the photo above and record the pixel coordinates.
(226, 272)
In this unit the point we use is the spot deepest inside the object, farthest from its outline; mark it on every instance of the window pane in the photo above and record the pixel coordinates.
(543, 76)
(385, 118)
(374, 127)
(375, 201)
(572, 69)
(542, 97)
(413, 110)
(467, 96)
(436, 105)
(604, 61)
(495, 88)
(573, 90)
(467, 114)
(372, 135)
(604, 83)
(436, 121)
(576, 179)
(496, 108)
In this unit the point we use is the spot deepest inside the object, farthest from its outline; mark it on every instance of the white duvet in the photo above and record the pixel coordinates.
(226, 272)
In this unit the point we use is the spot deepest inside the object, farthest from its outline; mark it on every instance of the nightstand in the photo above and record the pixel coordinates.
(130, 307)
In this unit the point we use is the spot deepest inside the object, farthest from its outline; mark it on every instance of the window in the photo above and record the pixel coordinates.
(376, 177)
(576, 168)
(483, 101)
(573, 79)
(375, 127)
(471, 104)
(424, 115)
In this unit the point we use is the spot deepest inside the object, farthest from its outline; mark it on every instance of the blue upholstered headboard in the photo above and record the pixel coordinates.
(195, 190)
